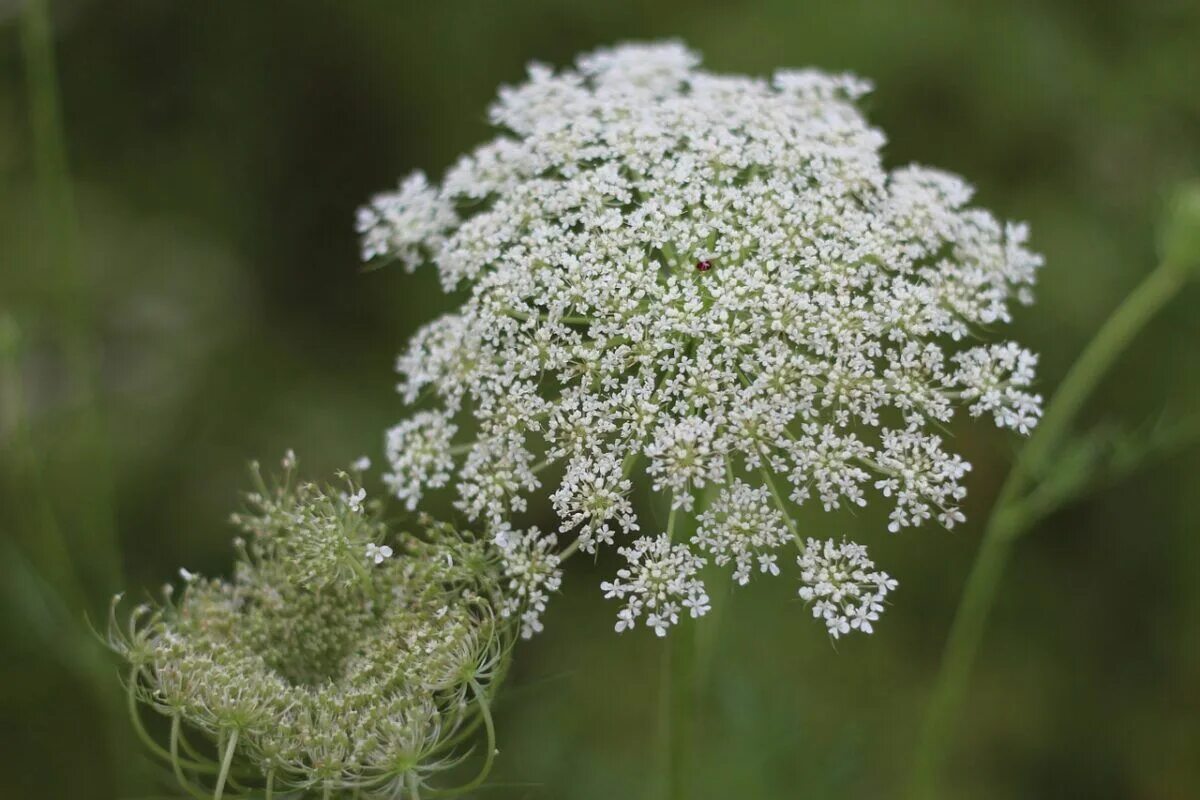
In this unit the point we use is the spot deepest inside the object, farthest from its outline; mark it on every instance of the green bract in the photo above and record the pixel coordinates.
(324, 667)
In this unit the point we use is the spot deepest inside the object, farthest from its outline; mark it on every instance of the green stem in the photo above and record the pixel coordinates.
(176, 765)
(485, 711)
(225, 762)
(55, 197)
(174, 754)
(1138, 308)
(1005, 525)
(720, 582)
(677, 700)
(465, 732)
(781, 504)
(568, 551)
(680, 680)
(171, 755)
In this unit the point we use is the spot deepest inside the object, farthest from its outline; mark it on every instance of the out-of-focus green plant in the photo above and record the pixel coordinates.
(58, 570)
(1053, 469)
(59, 247)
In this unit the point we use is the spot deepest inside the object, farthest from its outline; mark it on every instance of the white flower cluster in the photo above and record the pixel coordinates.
(743, 526)
(699, 278)
(842, 585)
(591, 498)
(419, 451)
(398, 224)
(531, 566)
(660, 581)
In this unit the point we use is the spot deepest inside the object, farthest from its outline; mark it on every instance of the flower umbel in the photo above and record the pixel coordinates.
(842, 585)
(660, 581)
(685, 279)
(530, 563)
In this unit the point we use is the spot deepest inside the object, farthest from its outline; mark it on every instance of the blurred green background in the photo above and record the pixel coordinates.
(219, 151)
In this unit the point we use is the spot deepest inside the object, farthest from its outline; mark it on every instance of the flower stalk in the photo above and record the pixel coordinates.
(678, 697)
(1014, 514)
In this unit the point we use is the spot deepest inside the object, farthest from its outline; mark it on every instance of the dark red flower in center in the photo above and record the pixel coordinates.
(703, 266)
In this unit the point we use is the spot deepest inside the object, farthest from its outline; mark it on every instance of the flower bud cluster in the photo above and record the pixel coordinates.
(329, 664)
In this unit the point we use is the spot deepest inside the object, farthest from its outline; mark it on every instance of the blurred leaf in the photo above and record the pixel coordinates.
(26, 597)
(1102, 457)
(1179, 235)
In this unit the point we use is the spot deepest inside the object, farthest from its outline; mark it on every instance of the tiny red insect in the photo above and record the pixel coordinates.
(703, 266)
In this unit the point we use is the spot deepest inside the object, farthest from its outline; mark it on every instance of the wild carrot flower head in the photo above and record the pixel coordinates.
(330, 662)
(699, 281)
(842, 585)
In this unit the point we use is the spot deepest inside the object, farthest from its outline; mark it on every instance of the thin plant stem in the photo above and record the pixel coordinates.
(177, 761)
(681, 677)
(1007, 523)
(174, 754)
(781, 504)
(225, 762)
(485, 711)
(708, 635)
(177, 767)
(677, 699)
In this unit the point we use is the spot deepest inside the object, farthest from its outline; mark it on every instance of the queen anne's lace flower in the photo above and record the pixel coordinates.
(531, 564)
(403, 224)
(418, 450)
(696, 277)
(378, 553)
(660, 582)
(842, 585)
(591, 498)
(743, 526)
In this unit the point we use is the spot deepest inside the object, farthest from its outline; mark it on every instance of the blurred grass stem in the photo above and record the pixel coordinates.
(68, 560)
(45, 539)
(59, 234)
(1011, 517)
